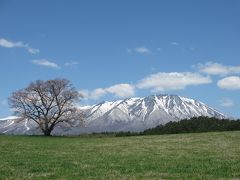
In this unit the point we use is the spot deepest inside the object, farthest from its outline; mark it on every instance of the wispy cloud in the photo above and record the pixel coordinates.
(129, 50)
(163, 81)
(145, 50)
(139, 50)
(32, 50)
(71, 63)
(142, 50)
(9, 44)
(174, 43)
(213, 68)
(46, 63)
(3, 103)
(230, 83)
(226, 102)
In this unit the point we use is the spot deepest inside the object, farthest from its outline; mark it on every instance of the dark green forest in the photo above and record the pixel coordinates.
(195, 124)
(192, 125)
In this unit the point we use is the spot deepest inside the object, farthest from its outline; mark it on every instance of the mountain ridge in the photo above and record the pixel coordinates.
(130, 114)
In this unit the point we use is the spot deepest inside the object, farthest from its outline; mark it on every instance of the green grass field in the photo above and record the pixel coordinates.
(213, 155)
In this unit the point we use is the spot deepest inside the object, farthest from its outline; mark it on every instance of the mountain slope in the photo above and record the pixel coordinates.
(137, 114)
(132, 114)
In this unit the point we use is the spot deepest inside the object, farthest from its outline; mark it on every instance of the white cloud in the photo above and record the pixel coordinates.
(47, 63)
(172, 81)
(174, 43)
(230, 83)
(71, 63)
(84, 93)
(218, 69)
(121, 90)
(226, 102)
(118, 90)
(156, 82)
(9, 44)
(142, 50)
(97, 93)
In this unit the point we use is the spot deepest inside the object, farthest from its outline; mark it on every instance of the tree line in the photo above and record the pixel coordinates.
(192, 125)
(195, 124)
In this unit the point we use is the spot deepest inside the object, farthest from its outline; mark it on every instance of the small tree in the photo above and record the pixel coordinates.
(47, 103)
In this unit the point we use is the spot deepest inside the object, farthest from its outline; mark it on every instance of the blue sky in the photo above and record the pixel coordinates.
(117, 49)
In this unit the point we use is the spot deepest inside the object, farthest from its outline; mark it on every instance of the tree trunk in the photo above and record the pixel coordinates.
(47, 133)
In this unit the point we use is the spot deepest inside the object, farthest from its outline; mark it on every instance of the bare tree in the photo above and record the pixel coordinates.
(47, 103)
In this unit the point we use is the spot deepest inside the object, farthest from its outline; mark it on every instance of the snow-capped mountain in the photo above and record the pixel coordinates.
(132, 114)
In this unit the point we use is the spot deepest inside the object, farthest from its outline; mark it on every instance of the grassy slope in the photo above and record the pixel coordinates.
(183, 156)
